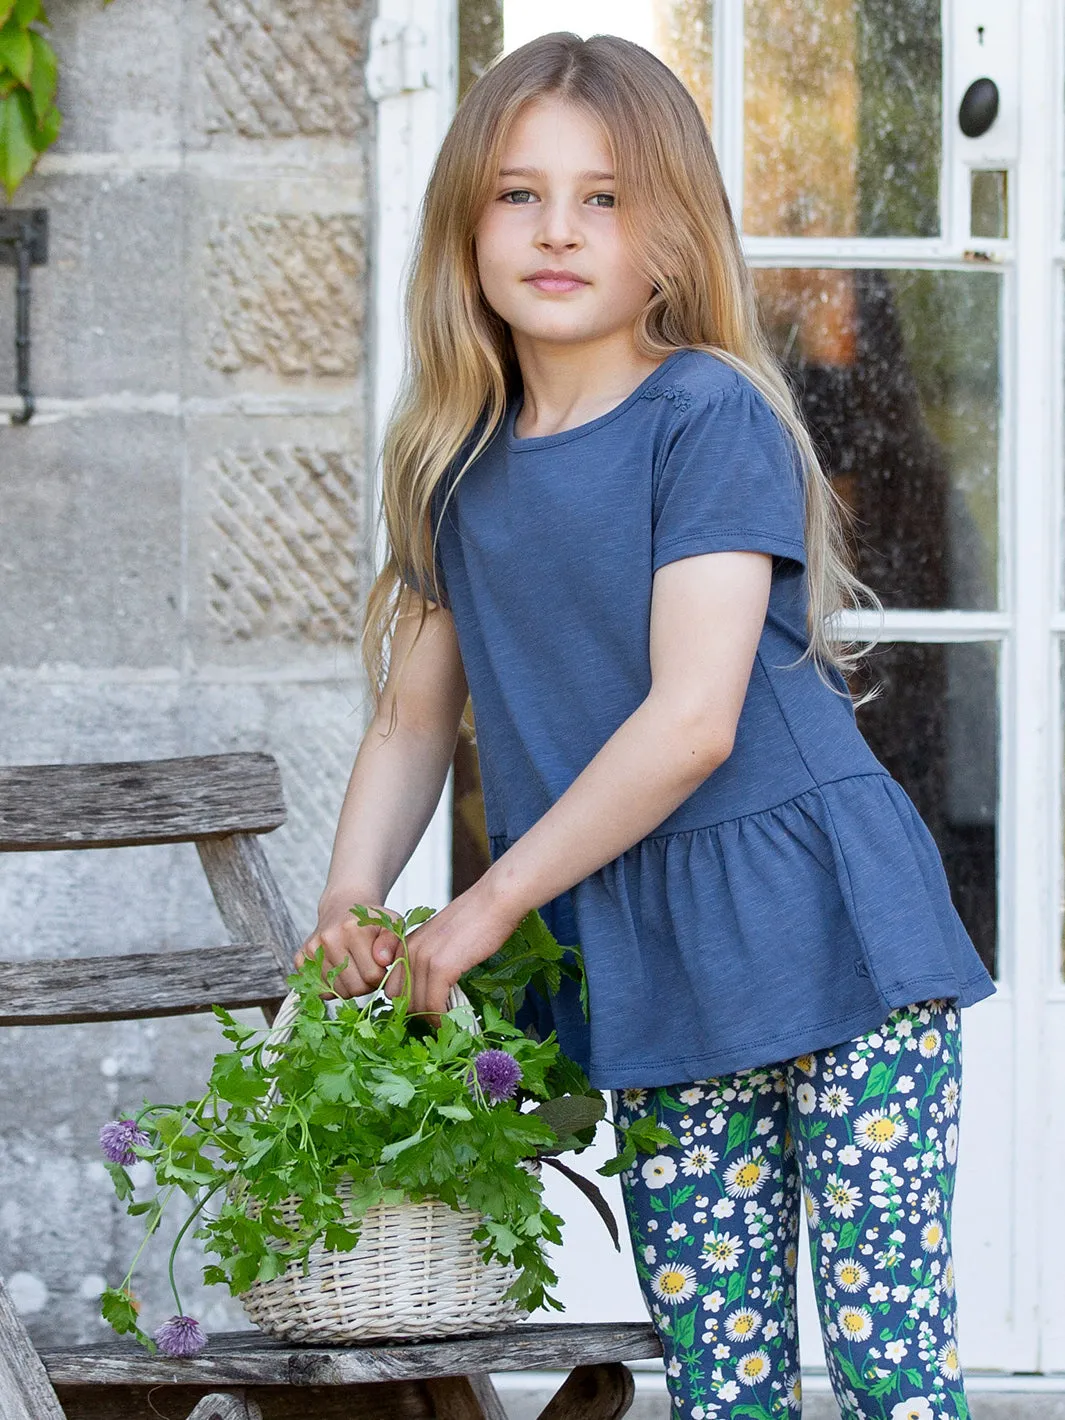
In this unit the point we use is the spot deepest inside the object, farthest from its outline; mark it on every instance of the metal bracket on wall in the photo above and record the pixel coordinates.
(23, 243)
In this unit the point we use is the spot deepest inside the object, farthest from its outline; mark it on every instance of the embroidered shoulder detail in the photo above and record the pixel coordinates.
(677, 395)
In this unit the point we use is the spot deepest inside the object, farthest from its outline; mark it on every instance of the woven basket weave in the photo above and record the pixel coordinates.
(416, 1271)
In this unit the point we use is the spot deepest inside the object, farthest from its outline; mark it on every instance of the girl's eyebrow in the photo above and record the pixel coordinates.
(539, 173)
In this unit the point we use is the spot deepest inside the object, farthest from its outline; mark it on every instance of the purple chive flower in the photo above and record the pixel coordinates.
(180, 1336)
(118, 1138)
(498, 1074)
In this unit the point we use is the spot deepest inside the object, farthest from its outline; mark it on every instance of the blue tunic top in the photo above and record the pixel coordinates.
(796, 896)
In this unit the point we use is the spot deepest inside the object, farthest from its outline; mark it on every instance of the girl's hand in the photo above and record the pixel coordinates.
(459, 936)
(369, 950)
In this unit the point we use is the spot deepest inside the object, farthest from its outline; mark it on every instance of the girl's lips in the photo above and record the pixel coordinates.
(555, 283)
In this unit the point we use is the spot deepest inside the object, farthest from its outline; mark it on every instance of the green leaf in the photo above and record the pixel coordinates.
(684, 1331)
(118, 1310)
(624, 1160)
(454, 1111)
(18, 150)
(739, 1127)
(6, 6)
(848, 1236)
(735, 1287)
(121, 1179)
(392, 1151)
(847, 1367)
(391, 1088)
(648, 1135)
(26, 11)
(572, 1115)
(417, 915)
(16, 52)
(879, 1080)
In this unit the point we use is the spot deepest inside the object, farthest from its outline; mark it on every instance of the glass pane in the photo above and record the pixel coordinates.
(842, 107)
(480, 39)
(679, 32)
(682, 37)
(898, 373)
(989, 203)
(935, 728)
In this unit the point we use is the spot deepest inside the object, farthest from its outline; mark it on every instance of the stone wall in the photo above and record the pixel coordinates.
(184, 535)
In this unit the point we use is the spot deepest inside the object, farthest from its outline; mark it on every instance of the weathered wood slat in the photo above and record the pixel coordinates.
(247, 1358)
(232, 1405)
(25, 1391)
(400, 1400)
(454, 1398)
(44, 806)
(35, 993)
(592, 1393)
(248, 897)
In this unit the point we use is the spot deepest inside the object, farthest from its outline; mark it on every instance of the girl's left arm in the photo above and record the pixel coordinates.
(707, 614)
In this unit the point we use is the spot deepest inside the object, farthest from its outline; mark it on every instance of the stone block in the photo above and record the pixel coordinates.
(90, 559)
(278, 547)
(270, 69)
(276, 284)
(121, 85)
(107, 309)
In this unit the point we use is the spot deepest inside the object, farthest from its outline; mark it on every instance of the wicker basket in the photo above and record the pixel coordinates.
(416, 1271)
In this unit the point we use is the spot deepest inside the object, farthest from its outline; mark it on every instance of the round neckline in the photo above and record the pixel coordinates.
(547, 441)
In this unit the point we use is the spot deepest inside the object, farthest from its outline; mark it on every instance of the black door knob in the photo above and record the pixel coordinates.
(979, 108)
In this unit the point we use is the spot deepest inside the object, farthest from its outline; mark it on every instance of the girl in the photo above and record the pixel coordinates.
(608, 524)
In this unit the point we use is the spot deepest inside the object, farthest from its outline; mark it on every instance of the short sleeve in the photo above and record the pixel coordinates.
(730, 481)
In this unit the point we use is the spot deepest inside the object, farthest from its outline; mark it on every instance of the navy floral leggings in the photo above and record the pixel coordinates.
(867, 1135)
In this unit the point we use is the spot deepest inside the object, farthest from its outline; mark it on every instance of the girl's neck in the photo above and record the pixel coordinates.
(568, 385)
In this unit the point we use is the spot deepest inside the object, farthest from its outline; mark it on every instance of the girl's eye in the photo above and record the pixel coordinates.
(519, 193)
(609, 198)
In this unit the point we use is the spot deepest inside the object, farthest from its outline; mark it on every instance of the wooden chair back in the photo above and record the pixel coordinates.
(219, 802)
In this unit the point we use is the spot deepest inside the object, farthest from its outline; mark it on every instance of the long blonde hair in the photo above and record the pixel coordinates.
(460, 363)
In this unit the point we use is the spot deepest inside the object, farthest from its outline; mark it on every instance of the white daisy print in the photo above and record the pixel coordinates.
(633, 1098)
(721, 1251)
(745, 1176)
(879, 1292)
(743, 1324)
(714, 1301)
(677, 1230)
(917, 1409)
(841, 1197)
(950, 1144)
(793, 1391)
(850, 1274)
(932, 1235)
(855, 1323)
(951, 1097)
(929, 1041)
(904, 1084)
(947, 1358)
(880, 1130)
(729, 1391)
(813, 1211)
(692, 1096)
(674, 1282)
(806, 1063)
(806, 1098)
(659, 1171)
(849, 1155)
(753, 1367)
(698, 1161)
(931, 1200)
(723, 1208)
(895, 1351)
(835, 1100)
(673, 1369)
(948, 1278)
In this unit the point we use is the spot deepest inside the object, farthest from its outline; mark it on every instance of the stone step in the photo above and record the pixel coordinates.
(525, 1402)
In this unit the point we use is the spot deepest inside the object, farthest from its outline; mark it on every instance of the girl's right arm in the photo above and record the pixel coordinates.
(393, 791)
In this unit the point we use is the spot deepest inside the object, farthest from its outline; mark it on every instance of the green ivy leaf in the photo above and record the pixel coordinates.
(878, 1081)
(18, 149)
(16, 51)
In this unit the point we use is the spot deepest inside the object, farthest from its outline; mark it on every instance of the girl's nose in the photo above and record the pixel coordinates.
(557, 227)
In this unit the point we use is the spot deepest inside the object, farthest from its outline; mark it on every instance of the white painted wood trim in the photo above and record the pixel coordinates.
(415, 90)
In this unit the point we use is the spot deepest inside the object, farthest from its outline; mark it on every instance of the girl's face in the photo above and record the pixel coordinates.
(553, 211)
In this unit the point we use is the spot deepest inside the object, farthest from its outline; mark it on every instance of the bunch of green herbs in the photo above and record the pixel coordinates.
(372, 1094)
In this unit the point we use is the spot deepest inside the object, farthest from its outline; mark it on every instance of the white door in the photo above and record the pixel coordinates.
(909, 276)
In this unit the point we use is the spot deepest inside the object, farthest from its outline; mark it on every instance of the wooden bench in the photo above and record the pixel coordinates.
(220, 803)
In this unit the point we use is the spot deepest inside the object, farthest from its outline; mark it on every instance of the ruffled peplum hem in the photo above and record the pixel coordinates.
(753, 940)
